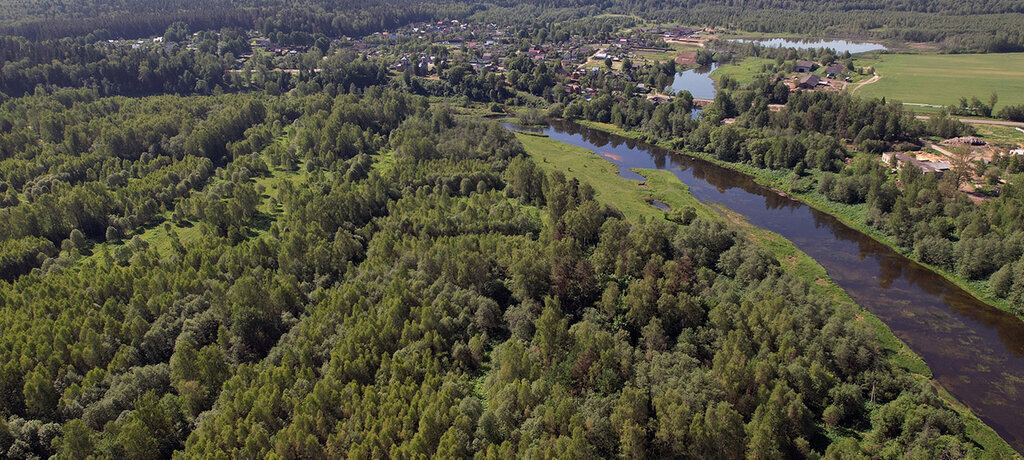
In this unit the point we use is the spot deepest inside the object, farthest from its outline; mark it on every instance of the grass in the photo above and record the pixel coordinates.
(744, 71)
(633, 201)
(942, 79)
(1001, 135)
(624, 194)
(667, 55)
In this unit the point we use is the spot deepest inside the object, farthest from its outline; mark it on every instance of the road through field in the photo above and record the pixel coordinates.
(978, 121)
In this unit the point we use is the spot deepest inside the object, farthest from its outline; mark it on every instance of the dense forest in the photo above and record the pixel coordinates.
(322, 276)
(229, 230)
(959, 25)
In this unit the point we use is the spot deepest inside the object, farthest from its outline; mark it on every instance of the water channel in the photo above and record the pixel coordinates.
(974, 350)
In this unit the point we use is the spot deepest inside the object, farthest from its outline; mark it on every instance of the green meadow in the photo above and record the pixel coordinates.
(942, 79)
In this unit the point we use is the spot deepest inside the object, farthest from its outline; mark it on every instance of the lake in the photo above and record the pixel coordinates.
(840, 46)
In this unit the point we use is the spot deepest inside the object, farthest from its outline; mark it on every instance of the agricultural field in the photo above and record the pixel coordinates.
(943, 79)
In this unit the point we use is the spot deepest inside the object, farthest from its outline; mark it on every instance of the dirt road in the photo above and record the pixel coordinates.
(865, 82)
(978, 121)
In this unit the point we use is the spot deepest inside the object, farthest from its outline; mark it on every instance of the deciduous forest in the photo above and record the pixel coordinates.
(238, 230)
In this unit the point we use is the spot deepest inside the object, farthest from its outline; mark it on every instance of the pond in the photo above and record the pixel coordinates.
(660, 205)
(839, 45)
(974, 350)
(697, 81)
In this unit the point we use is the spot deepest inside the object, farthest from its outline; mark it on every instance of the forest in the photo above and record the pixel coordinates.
(958, 25)
(308, 253)
(370, 276)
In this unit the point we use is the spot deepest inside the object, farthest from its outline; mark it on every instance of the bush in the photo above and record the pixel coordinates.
(935, 250)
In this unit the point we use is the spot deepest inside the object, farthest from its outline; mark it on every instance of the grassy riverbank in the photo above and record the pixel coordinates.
(633, 198)
(850, 215)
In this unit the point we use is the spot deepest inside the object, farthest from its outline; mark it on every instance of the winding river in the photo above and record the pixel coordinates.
(974, 350)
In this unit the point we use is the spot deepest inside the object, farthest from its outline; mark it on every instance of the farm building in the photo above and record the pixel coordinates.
(900, 160)
(809, 82)
(804, 66)
(835, 70)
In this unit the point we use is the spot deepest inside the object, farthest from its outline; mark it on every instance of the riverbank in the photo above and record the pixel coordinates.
(632, 198)
(849, 215)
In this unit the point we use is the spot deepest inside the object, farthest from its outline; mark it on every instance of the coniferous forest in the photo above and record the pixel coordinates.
(313, 254)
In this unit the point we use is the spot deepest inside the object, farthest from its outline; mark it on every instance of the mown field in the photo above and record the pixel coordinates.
(943, 78)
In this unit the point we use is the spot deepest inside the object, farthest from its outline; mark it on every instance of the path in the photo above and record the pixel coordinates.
(979, 121)
(865, 82)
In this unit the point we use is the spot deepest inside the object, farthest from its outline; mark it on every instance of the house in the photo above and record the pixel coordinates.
(835, 70)
(804, 66)
(808, 82)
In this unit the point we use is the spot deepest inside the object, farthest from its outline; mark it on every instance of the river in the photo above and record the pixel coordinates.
(974, 350)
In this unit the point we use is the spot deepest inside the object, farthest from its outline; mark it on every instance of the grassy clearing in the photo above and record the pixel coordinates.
(942, 79)
(743, 71)
(663, 186)
(1001, 135)
(587, 166)
(667, 55)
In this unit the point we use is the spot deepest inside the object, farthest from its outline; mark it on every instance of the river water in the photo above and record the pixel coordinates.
(974, 350)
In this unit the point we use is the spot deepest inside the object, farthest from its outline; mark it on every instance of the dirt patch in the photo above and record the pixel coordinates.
(924, 46)
(686, 58)
(821, 282)
(643, 185)
(791, 260)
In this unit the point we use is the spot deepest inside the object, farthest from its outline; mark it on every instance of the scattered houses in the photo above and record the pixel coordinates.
(804, 66)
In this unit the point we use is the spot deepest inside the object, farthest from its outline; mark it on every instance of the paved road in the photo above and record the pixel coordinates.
(977, 121)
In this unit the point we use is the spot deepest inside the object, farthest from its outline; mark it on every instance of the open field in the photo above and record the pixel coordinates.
(943, 78)
(743, 71)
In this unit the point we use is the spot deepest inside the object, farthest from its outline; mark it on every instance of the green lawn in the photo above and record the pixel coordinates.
(743, 71)
(943, 78)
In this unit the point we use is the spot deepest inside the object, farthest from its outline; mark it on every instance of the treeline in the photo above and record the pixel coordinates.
(812, 130)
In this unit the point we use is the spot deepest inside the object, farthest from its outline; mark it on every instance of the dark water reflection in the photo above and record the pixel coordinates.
(975, 351)
(697, 81)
